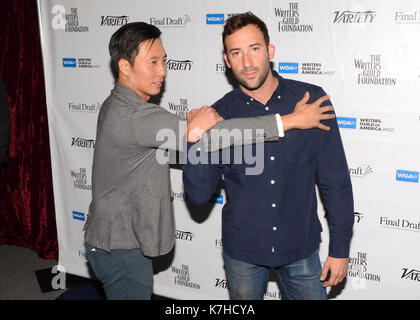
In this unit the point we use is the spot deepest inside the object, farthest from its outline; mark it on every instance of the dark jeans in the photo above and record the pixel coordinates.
(298, 280)
(125, 274)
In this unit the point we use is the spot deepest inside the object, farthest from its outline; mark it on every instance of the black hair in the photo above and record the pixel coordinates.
(124, 43)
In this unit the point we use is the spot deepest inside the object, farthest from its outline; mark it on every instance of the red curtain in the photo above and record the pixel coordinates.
(27, 214)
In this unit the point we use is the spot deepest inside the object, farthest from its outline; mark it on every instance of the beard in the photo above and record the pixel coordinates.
(262, 76)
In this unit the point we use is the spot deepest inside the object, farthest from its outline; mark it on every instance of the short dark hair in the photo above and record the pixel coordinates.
(241, 20)
(124, 43)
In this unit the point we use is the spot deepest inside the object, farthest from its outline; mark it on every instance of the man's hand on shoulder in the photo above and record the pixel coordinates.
(307, 116)
(201, 120)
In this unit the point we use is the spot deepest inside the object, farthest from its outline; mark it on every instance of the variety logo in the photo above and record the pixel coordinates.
(289, 19)
(82, 143)
(69, 62)
(215, 18)
(402, 17)
(218, 244)
(347, 123)
(78, 216)
(171, 22)
(412, 274)
(288, 67)
(184, 235)
(354, 16)
(69, 22)
(114, 20)
(358, 216)
(371, 71)
(216, 198)
(178, 195)
(179, 65)
(221, 283)
(407, 176)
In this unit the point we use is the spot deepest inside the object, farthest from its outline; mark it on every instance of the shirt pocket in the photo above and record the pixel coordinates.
(300, 146)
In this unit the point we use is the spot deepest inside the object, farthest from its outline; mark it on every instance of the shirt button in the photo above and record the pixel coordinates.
(251, 99)
(198, 149)
(278, 97)
(273, 205)
(247, 103)
(274, 228)
(272, 182)
(267, 108)
(272, 158)
(272, 249)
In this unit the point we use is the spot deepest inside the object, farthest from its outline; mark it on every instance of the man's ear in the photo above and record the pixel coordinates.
(227, 61)
(124, 66)
(271, 51)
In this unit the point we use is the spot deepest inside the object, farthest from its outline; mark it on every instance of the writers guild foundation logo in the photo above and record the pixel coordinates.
(370, 72)
(171, 22)
(184, 235)
(183, 277)
(114, 20)
(348, 16)
(289, 19)
(67, 21)
(400, 224)
(361, 171)
(179, 109)
(83, 107)
(358, 271)
(80, 179)
(82, 143)
(179, 65)
(407, 17)
(410, 274)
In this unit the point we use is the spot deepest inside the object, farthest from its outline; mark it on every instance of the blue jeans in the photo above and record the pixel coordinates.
(125, 274)
(298, 280)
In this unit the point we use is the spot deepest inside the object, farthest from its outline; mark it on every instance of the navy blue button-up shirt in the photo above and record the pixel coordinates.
(271, 218)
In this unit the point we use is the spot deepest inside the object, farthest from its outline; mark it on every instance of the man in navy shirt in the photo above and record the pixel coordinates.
(270, 218)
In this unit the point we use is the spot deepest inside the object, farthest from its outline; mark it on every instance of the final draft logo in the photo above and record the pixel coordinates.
(67, 21)
(289, 19)
(171, 22)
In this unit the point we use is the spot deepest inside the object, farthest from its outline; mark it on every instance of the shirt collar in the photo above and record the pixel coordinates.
(126, 94)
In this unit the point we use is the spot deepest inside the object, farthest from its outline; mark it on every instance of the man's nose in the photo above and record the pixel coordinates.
(246, 60)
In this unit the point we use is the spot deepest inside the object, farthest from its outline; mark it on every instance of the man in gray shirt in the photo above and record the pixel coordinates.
(130, 217)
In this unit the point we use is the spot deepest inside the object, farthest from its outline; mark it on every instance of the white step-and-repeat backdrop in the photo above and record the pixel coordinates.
(364, 53)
